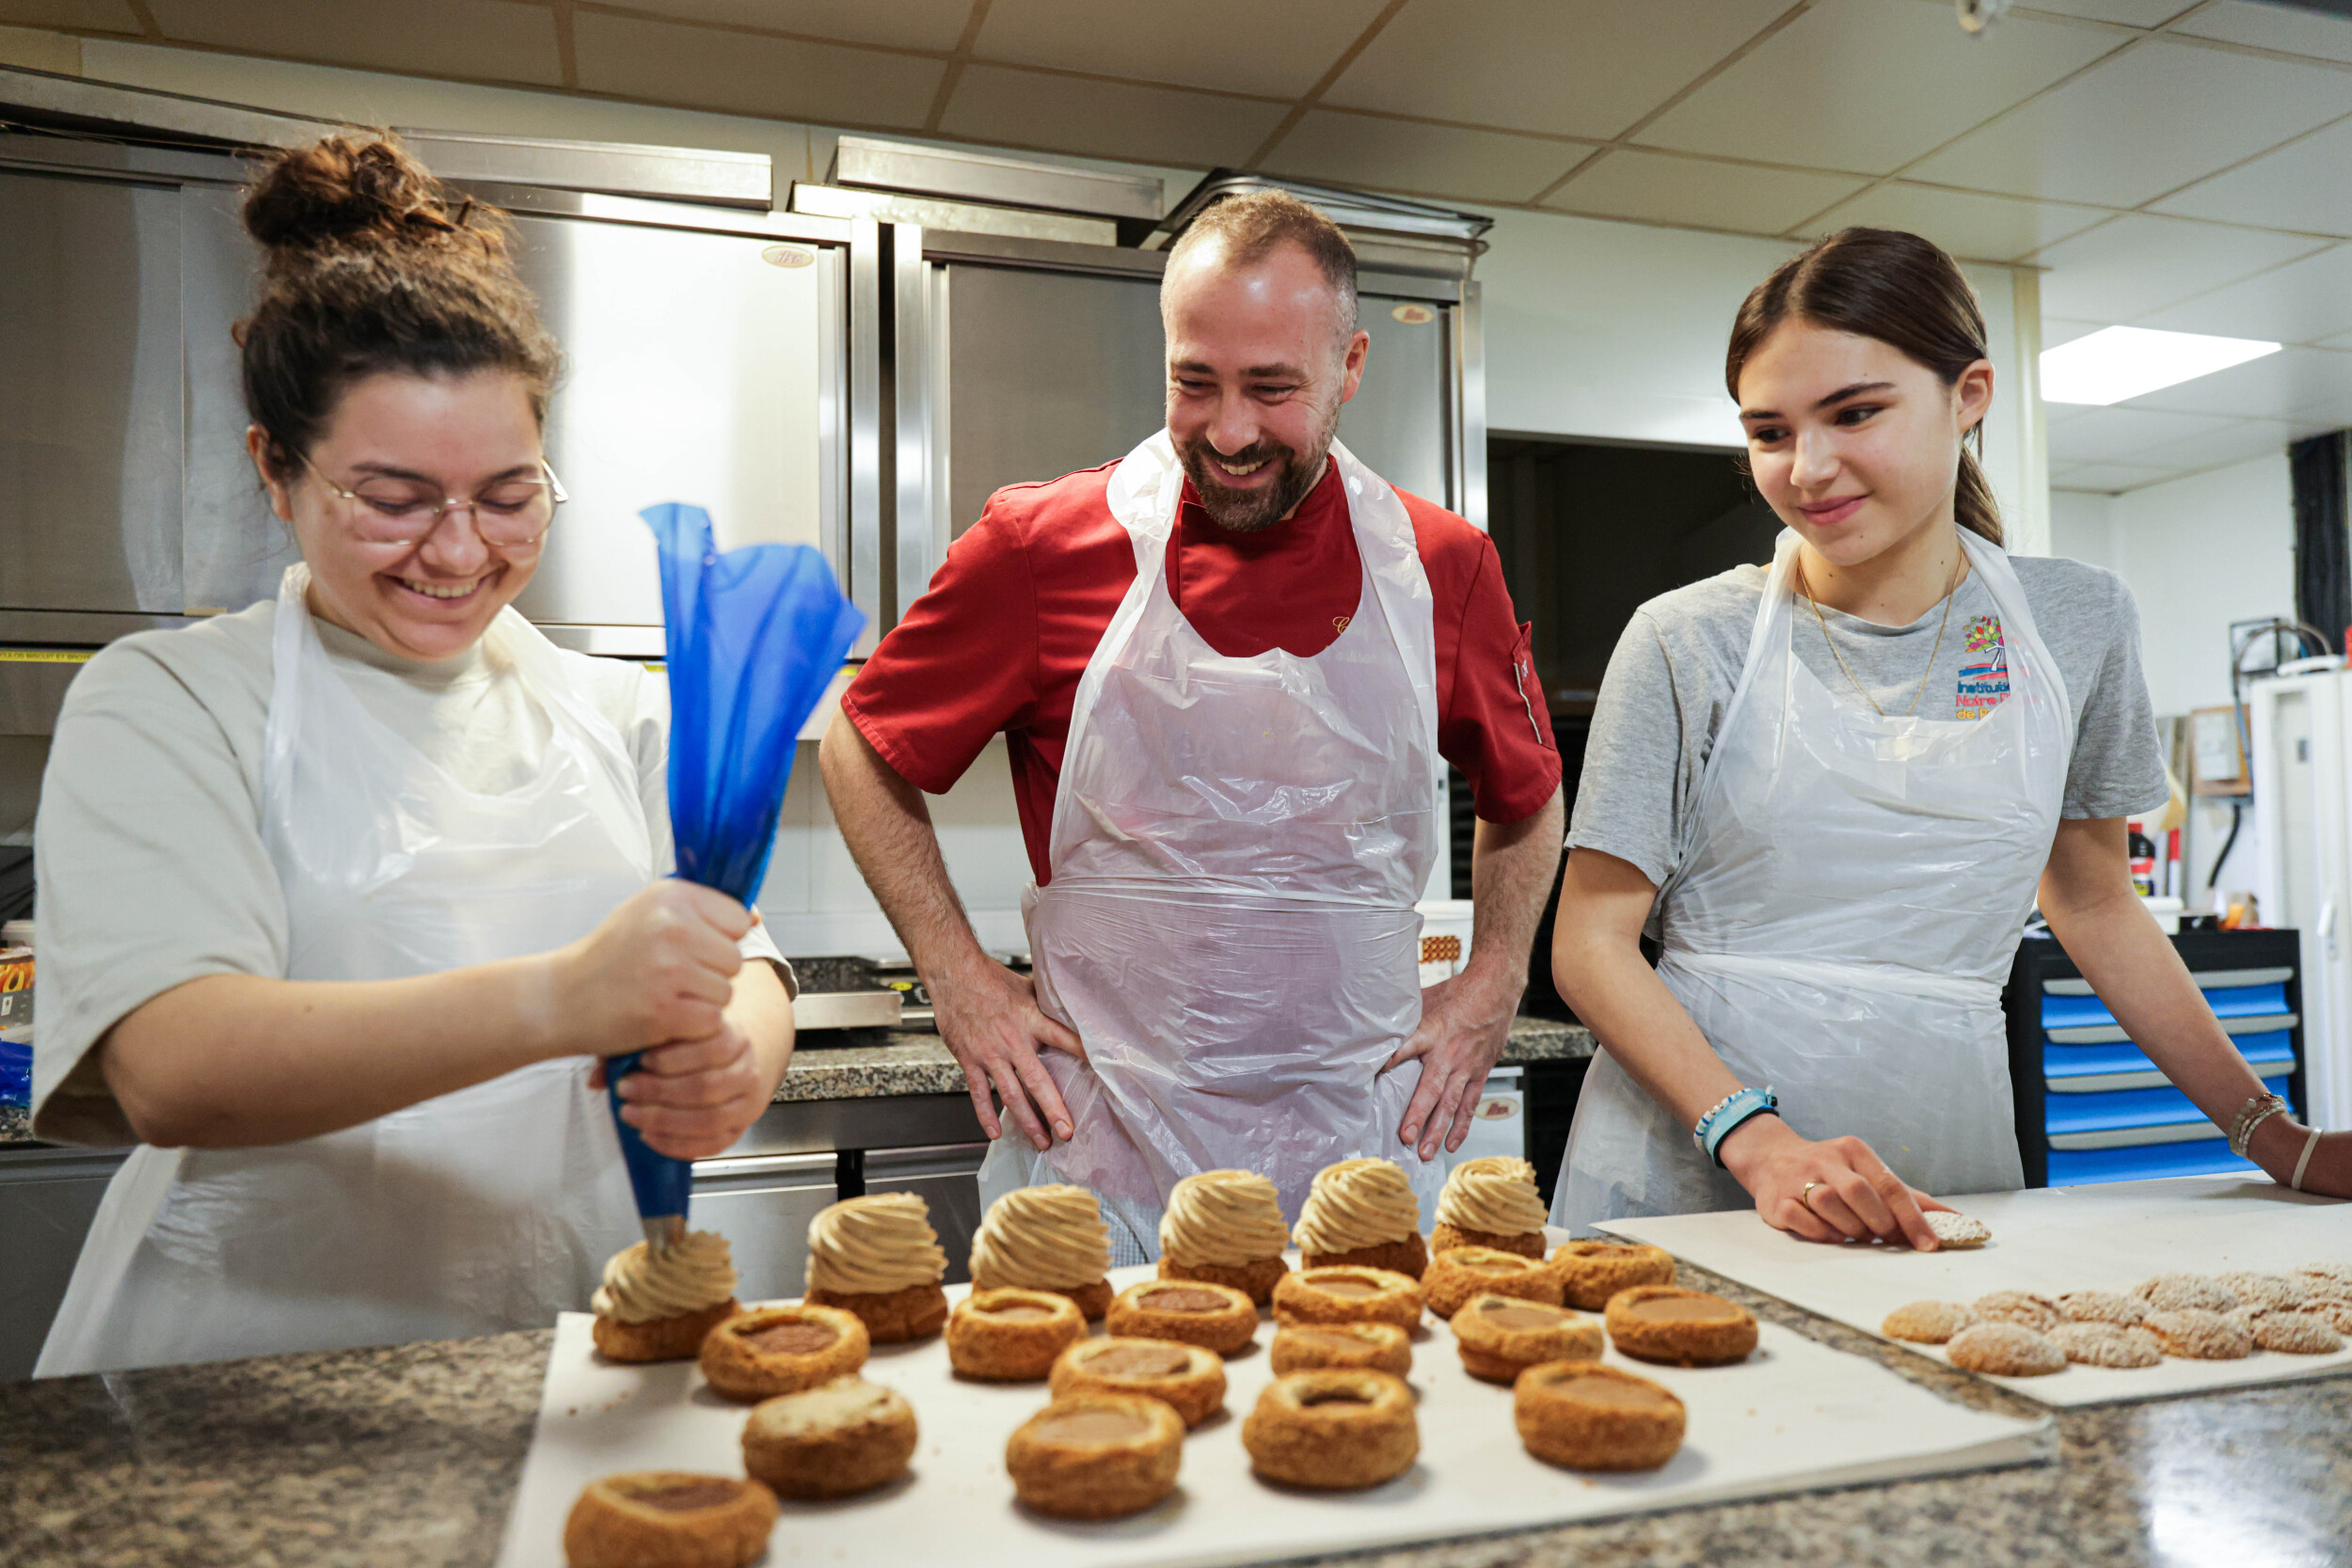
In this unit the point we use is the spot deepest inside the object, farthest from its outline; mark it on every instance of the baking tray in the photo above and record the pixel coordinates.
(1796, 1415)
(2051, 1240)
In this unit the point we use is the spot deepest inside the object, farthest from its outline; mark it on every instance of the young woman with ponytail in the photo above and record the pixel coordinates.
(1831, 789)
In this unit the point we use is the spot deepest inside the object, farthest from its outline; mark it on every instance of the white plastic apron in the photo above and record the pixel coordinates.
(482, 1211)
(1237, 846)
(1842, 919)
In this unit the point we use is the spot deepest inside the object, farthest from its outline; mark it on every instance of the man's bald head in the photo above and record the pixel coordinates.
(1243, 230)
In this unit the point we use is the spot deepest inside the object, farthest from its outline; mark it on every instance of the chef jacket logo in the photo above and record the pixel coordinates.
(1984, 669)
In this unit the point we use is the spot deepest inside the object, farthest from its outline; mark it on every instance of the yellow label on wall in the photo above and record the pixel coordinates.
(46, 656)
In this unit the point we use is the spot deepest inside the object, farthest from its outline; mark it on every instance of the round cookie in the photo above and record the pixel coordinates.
(2275, 1292)
(669, 1519)
(1355, 1347)
(1455, 1276)
(1926, 1322)
(2104, 1344)
(2103, 1307)
(2023, 1308)
(1348, 1294)
(2194, 1334)
(1190, 1379)
(2005, 1350)
(1583, 1415)
(1011, 1335)
(782, 1350)
(1332, 1430)
(2296, 1333)
(1501, 1336)
(836, 1440)
(1679, 1327)
(2170, 1293)
(1193, 1311)
(1957, 1232)
(1592, 1272)
(1096, 1456)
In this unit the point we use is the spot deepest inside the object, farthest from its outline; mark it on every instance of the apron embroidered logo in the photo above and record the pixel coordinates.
(1984, 669)
(1338, 622)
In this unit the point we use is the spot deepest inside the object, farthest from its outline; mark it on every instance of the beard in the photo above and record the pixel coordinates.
(1255, 511)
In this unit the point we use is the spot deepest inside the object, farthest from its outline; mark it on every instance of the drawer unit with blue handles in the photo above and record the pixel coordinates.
(2092, 1107)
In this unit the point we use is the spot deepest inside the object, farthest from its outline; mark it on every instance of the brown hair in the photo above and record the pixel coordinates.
(1895, 287)
(371, 265)
(1252, 225)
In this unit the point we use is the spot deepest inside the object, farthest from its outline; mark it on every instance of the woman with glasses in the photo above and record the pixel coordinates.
(343, 894)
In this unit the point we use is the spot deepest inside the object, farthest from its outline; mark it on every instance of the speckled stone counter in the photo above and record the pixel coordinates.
(410, 1457)
(878, 1063)
(16, 1125)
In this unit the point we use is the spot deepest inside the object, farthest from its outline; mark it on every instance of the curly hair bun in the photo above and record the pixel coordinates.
(349, 192)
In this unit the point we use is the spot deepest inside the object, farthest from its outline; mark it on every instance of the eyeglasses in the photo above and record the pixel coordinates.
(384, 509)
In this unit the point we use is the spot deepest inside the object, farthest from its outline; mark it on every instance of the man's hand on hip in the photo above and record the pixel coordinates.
(1465, 1024)
(989, 1018)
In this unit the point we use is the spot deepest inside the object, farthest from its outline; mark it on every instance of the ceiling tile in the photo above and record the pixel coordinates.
(1430, 160)
(1235, 45)
(2300, 302)
(2275, 26)
(2157, 116)
(2120, 435)
(1984, 228)
(2112, 478)
(2132, 13)
(1660, 187)
(2276, 387)
(2057, 330)
(1871, 85)
(2301, 185)
(1580, 68)
(473, 39)
(1103, 120)
(903, 23)
(105, 16)
(743, 73)
(2234, 442)
(2122, 270)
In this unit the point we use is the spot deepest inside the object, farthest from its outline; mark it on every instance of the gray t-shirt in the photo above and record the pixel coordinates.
(1678, 661)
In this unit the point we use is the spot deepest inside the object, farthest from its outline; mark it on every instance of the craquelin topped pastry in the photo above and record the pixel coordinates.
(1191, 1312)
(1046, 1239)
(1680, 1327)
(654, 1308)
(1491, 1202)
(834, 1440)
(1461, 1273)
(878, 1257)
(1584, 1416)
(1011, 1335)
(1592, 1272)
(1362, 1213)
(1501, 1336)
(669, 1519)
(1363, 1346)
(1225, 1227)
(782, 1350)
(1096, 1456)
(1335, 1431)
(1189, 1378)
(1344, 1294)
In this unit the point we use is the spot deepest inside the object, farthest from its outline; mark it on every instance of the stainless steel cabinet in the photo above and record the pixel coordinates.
(48, 1198)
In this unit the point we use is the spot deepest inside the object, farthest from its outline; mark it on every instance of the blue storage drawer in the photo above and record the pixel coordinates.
(2264, 1053)
(2075, 1012)
(2145, 1162)
(2117, 1109)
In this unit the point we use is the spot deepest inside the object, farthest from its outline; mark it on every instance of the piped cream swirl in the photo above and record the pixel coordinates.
(1225, 1218)
(874, 1244)
(1495, 1193)
(1041, 1239)
(1357, 1203)
(697, 1273)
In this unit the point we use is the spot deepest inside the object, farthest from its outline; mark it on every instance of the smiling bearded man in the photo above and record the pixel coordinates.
(1226, 667)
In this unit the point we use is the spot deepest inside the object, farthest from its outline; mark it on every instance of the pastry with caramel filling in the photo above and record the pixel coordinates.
(1491, 1202)
(1501, 1336)
(1011, 1335)
(1096, 1456)
(878, 1257)
(1592, 1272)
(1046, 1239)
(1363, 1213)
(1347, 1294)
(1190, 1379)
(669, 1519)
(1191, 1312)
(1225, 1227)
(1346, 1347)
(658, 1308)
(1461, 1273)
(834, 1440)
(1679, 1327)
(782, 1350)
(1332, 1430)
(1583, 1415)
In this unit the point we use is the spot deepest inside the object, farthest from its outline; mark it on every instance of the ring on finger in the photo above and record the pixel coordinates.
(1805, 1197)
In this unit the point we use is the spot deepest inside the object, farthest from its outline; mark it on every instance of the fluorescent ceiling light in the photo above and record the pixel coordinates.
(2119, 362)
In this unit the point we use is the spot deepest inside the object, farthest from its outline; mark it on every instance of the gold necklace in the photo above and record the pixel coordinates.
(1949, 595)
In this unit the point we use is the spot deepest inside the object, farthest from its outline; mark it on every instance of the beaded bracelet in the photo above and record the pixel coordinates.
(2257, 1110)
(1727, 1113)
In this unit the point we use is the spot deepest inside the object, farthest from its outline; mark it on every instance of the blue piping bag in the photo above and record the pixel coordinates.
(753, 637)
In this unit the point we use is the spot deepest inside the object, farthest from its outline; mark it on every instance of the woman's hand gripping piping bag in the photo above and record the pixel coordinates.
(753, 635)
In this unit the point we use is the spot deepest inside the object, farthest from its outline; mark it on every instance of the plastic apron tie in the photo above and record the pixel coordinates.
(1237, 849)
(490, 1209)
(1842, 914)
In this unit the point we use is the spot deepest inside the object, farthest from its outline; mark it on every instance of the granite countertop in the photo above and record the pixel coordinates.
(409, 1455)
(877, 1063)
(16, 1125)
